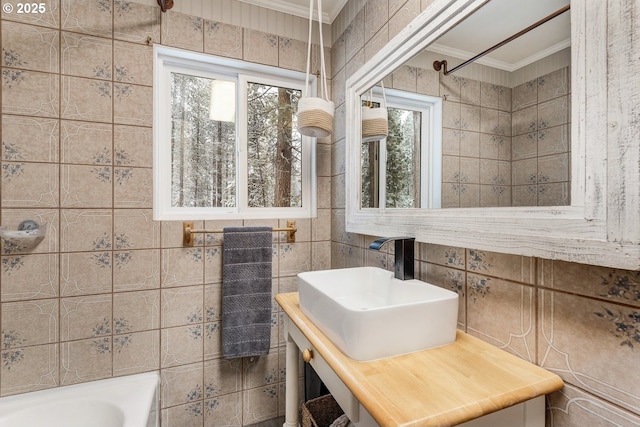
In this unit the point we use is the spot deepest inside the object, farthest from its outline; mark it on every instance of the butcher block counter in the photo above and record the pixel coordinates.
(443, 386)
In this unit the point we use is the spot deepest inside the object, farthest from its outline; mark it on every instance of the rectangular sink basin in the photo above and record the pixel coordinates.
(368, 314)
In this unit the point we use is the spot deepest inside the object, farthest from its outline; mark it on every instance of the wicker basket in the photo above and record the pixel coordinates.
(320, 412)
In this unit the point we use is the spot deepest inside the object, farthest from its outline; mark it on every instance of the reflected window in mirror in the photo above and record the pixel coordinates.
(404, 169)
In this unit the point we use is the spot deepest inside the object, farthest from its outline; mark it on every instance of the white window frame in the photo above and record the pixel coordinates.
(430, 145)
(168, 60)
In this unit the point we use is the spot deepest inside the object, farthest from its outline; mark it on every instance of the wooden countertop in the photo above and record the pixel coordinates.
(442, 386)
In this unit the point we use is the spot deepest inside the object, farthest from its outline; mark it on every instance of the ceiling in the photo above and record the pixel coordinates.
(489, 25)
(330, 8)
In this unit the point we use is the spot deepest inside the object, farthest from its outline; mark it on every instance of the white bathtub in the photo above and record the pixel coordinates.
(130, 401)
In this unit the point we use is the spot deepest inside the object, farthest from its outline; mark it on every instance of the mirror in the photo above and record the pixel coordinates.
(599, 225)
(499, 132)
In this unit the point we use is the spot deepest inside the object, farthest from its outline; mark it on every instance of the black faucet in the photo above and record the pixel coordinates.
(404, 249)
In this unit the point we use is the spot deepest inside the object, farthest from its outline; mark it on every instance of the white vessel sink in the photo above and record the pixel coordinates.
(368, 314)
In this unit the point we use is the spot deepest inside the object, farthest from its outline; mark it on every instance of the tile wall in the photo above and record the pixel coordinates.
(579, 321)
(109, 291)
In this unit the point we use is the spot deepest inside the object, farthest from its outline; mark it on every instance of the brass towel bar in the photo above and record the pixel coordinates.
(188, 232)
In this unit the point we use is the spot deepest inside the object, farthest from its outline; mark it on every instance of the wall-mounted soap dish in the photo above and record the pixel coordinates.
(28, 235)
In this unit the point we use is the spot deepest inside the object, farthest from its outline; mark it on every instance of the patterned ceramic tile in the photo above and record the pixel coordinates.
(338, 57)
(223, 39)
(428, 82)
(553, 85)
(29, 323)
(86, 186)
(132, 104)
(136, 352)
(136, 270)
(223, 410)
(321, 255)
(86, 56)
(86, 143)
(404, 15)
(135, 22)
(182, 306)
(567, 322)
(133, 63)
(261, 371)
(525, 95)
(85, 230)
(470, 91)
(86, 99)
(553, 113)
(181, 345)
(553, 140)
(85, 360)
(376, 15)
(612, 285)
(49, 17)
(448, 278)
(29, 369)
(292, 54)
(30, 48)
(135, 229)
(489, 298)
(259, 404)
(405, 78)
(553, 168)
(132, 187)
(30, 93)
(133, 146)
(136, 311)
(93, 17)
(571, 406)
(29, 185)
(221, 377)
(182, 267)
(85, 273)
(294, 258)
(29, 139)
(182, 384)
(183, 31)
(28, 277)
(85, 317)
(260, 47)
(187, 415)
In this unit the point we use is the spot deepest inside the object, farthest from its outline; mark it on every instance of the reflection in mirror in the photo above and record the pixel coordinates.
(403, 169)
(505, 118)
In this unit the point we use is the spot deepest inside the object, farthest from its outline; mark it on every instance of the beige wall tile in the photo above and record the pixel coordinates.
(182, 384)
(30, 139)
(50, 18)
(567, 322)
(86, 99)
(30, 93)
(132, 63)
(181, 345)
(183, 31)
(29, 185)
(292, 54)
(29, 323)
(132, 187)
(86, 143)
(187, 415)
(87, 17)
(132, 104)
(85, 230)
(224, 410)
(86, 56)
(84, 273)
(137, 23)
(136, 270)
(260, 47)
(133, 146)
(136, 352)
(182, 306)
(30, 47)
(136, 311)
(86, 186)
(259, 404)
(85, 360)
(223, 39)
(85, 317)
(29, 369)
(29, 277)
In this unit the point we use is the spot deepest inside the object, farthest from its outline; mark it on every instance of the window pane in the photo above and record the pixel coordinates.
(403, 159)
(203, 146)
(274, 149)
(370, 174)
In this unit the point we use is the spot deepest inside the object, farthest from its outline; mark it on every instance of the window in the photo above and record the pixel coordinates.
(226, 143)
(404, 169)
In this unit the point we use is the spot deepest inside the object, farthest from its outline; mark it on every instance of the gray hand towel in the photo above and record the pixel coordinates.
(246, 291)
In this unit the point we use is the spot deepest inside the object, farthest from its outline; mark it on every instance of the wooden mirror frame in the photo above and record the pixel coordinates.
(602, 225)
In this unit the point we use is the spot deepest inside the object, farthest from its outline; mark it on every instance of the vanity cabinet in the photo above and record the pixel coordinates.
(468, 383)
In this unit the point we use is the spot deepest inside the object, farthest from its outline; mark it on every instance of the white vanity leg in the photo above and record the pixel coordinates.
(291, 382)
